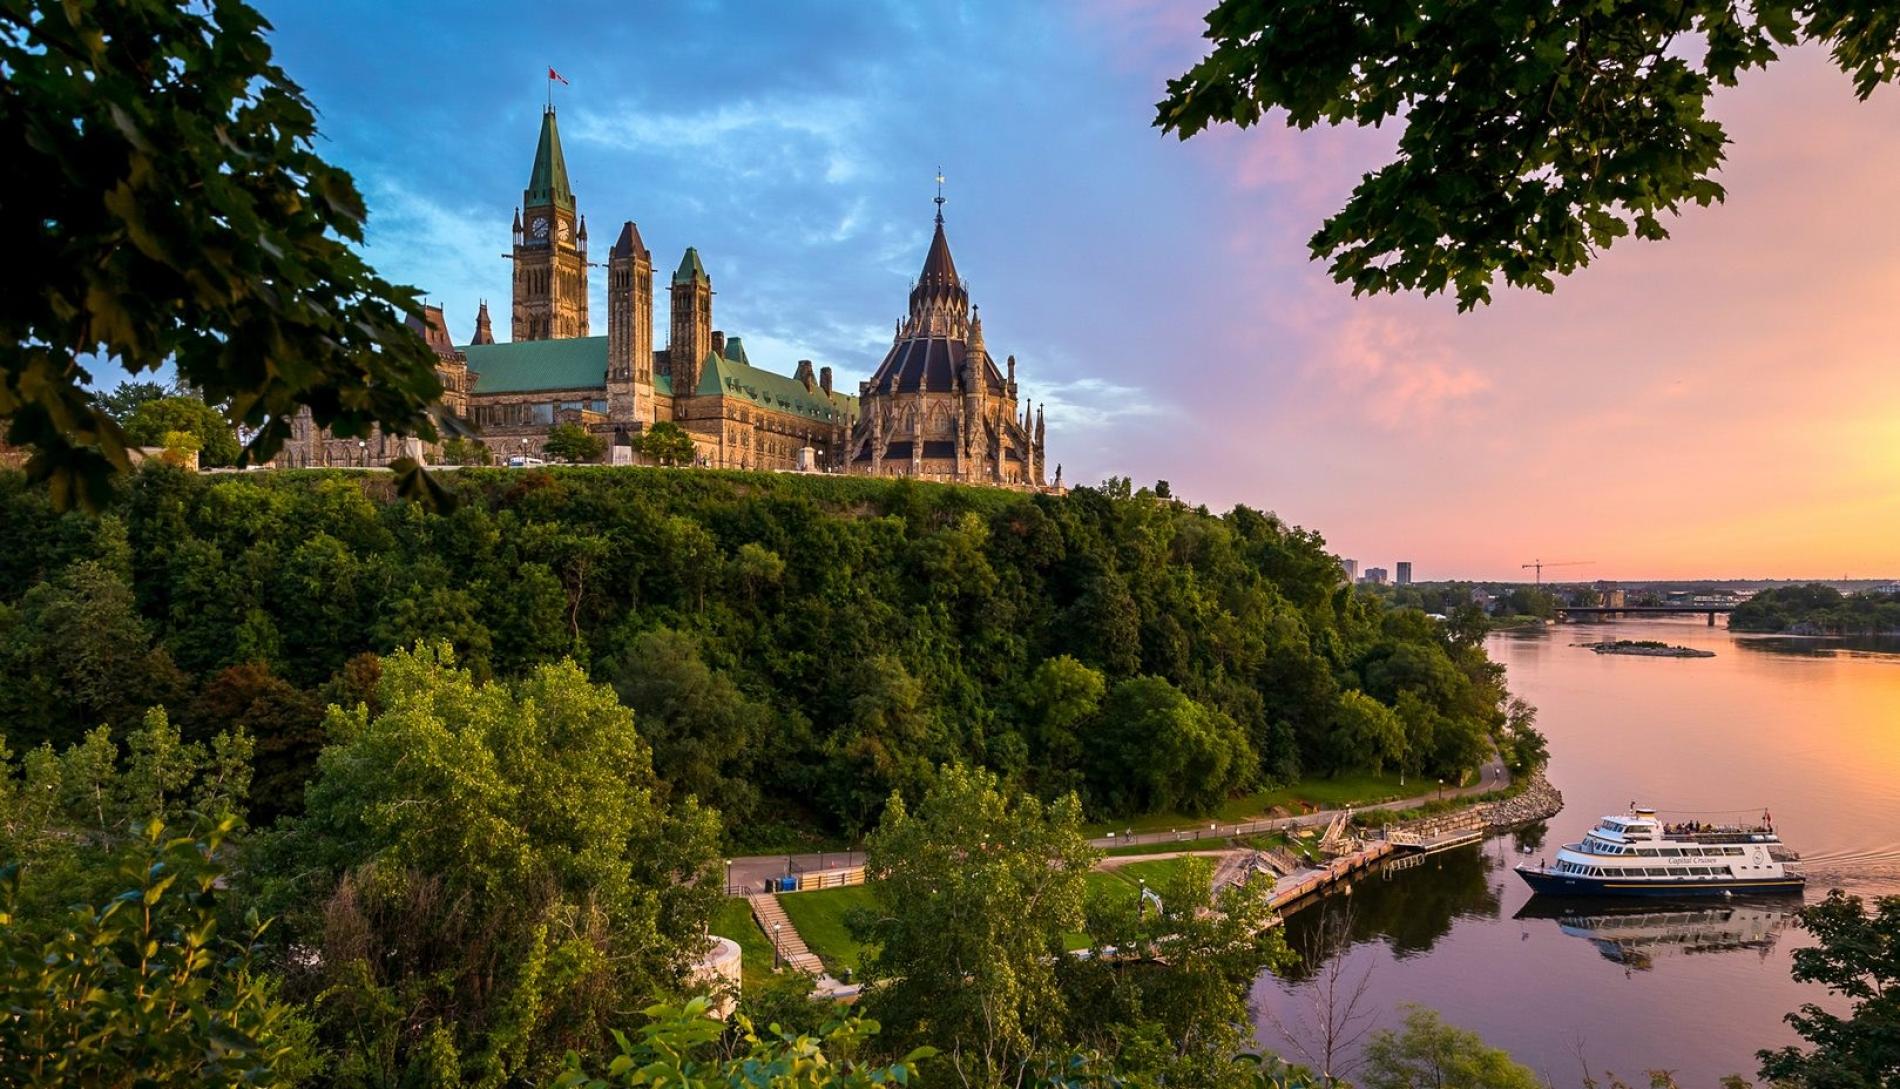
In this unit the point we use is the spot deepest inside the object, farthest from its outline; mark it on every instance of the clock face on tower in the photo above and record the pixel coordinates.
(563, 231)
(540, 226)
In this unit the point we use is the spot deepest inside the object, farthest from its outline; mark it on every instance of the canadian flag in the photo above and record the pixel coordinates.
(552, 74)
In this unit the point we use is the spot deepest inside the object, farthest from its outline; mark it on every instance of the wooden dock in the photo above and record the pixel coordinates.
(1295, 887)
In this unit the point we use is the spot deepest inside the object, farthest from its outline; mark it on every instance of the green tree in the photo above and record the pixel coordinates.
(679, 1045)
(706, 734)
(76, 654)
(1535, 134)
(1172, 1000)
(1062, 697)
(486, 875)
(1856, 955)
(667, 443)
(573, 443)
(163, 187)
(457, 450)
(1154, 749)
(973, 896)
(1366, 734)
(1429, 1054)
(155, 420)
(122, 400)
(144, 989)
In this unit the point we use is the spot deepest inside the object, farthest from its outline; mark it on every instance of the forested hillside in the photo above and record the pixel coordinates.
(793, 647)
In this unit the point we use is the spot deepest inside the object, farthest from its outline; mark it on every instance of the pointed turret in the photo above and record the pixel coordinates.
(547, 183)
(939, 269)
(690, 270)
(484, 332)
(629, 242)
(691, 314)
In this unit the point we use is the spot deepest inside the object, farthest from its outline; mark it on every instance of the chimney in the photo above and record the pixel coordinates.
(824, 379)
(719, 343)
(803, 375)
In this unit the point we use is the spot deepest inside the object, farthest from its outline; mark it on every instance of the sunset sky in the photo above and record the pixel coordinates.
(1726, 403)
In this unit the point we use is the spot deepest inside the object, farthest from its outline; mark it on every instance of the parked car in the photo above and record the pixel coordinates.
(522, 461)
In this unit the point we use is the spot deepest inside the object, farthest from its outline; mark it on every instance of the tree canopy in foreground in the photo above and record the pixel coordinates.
(1536, 133)
(160, 186)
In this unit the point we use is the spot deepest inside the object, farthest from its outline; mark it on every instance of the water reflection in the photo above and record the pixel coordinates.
(1804, 727)
(1634, 936)
(1874, 647)
(1409, 903)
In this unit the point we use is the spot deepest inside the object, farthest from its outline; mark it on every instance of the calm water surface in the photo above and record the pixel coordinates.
(1809, 729)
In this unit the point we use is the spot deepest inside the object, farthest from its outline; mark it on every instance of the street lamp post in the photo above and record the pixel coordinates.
(728, 877)
(775, 947)
(362, 445)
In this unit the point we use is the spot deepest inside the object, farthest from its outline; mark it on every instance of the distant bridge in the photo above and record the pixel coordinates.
(1606, 612)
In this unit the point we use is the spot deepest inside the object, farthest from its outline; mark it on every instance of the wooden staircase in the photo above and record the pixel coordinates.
(767, 910)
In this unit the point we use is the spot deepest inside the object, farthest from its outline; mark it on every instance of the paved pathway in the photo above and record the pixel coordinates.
(747, 875)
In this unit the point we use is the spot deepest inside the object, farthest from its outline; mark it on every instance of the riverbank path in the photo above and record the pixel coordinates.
(747, 875)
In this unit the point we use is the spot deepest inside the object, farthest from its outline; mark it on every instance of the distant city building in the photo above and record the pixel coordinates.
(1405, 573)
(1352, 569)
(1375, 576)
(1615, 599)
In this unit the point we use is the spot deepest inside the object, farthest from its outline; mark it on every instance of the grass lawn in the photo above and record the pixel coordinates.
(1351, 788)
(1157, 872)
(734, 920)
(819, 917)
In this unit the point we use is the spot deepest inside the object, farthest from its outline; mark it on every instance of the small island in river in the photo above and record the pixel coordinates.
(1648, 647)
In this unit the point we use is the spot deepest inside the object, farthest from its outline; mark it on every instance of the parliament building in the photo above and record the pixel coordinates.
(938, 407)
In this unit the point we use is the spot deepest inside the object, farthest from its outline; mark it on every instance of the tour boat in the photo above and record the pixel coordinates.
(1638, 855)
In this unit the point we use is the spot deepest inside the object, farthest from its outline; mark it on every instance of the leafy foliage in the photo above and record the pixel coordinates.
(485, 873)
(1536, 134)
(679, 1048)
(1818, 609)
(985, 994)
(573, 443)
(1427, 1053)
(162, 184)
(800, 645)
(457, 450)
(1856, 956)
(143, 989)
(667, 443)
(122, 400)
(154, 420)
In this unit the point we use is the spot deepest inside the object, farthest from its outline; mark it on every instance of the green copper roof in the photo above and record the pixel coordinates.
(525, 366)
(690, 269)
(773, 391)
(532, 366)
(548, 183)
(735, 351)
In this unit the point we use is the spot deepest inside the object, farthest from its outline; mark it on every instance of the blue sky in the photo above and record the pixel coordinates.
(796, 147)
(1658, 416)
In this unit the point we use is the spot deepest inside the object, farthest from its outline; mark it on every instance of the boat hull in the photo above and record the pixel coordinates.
(1550, 884)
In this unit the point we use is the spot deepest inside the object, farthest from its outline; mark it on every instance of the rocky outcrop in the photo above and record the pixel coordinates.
(1538, 801)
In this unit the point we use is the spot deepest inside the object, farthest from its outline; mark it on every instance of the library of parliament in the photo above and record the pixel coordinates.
(938, 407)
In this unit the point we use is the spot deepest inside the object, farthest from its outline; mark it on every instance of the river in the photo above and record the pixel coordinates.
(1807, 728)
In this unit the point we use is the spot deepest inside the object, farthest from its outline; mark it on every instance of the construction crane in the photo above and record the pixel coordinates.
(1539, 565)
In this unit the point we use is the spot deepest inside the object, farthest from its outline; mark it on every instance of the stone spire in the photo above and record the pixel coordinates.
(484, 332)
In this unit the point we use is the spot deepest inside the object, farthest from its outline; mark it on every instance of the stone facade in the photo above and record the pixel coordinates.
(938, 408)
(943, 410)
(310, 446)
